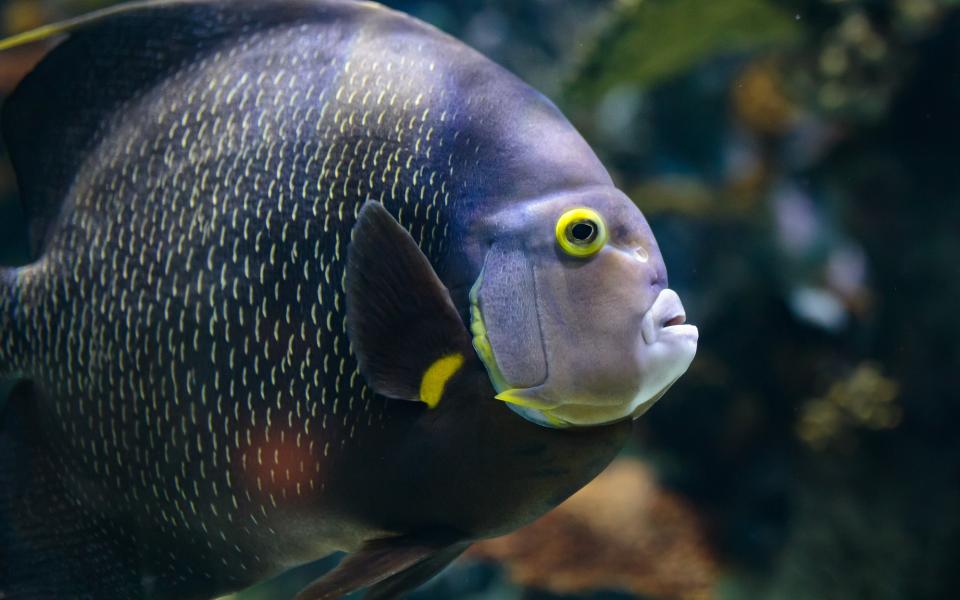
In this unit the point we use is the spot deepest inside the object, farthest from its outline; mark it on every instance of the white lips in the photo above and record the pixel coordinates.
(668, 349)
(666, 308)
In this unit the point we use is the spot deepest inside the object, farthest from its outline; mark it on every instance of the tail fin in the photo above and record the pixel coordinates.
(10, 346)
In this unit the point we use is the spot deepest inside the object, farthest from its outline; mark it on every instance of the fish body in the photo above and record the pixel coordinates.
(213, 188)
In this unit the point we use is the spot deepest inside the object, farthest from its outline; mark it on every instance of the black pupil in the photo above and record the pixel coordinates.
(582, 232)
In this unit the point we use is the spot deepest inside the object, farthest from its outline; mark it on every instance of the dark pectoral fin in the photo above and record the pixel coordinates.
(403, 326)
(378, 561)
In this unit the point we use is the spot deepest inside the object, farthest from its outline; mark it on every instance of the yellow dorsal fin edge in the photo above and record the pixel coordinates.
(46, 32)
(436, 377)
(34, 35)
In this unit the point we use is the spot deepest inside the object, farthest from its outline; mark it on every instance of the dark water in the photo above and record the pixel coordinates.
(798, 162)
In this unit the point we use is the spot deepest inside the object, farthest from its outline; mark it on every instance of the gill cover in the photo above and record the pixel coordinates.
(504, 317)
(404, 329)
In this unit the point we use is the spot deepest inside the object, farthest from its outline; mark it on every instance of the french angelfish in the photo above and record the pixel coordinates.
(308, 276)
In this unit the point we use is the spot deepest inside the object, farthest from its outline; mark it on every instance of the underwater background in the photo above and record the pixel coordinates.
(799, 162)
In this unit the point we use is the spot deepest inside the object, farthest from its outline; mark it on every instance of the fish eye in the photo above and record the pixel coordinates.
(581, 232)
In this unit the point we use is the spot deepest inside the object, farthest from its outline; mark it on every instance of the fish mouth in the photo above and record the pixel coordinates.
(677, 320)
(666, 318)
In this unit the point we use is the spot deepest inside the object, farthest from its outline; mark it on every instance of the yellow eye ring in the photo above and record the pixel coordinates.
(581, 232)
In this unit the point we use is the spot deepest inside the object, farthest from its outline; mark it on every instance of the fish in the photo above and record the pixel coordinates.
(307, 276)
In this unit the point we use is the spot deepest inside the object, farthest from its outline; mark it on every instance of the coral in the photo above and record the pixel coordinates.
(759, 100)
(622, 531)
(864, 399)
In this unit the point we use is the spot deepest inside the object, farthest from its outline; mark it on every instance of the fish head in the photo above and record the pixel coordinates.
(572, 314)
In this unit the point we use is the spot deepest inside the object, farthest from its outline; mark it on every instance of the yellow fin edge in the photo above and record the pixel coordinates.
(45, 32)
(436, 377)
(34, 35)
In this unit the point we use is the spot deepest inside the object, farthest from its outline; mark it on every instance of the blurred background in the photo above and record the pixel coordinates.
(799, 162)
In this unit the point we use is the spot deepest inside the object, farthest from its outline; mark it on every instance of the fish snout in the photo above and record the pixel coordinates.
(654, 271)
(658, 280)
(666, 317)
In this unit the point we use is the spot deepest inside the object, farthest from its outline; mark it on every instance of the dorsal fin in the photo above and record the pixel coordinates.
(56, 115)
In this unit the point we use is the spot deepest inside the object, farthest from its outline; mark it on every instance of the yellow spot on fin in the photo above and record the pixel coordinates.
(436, 377)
